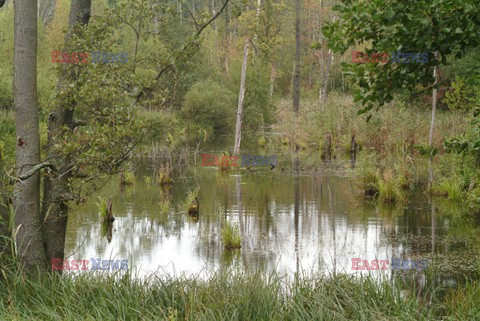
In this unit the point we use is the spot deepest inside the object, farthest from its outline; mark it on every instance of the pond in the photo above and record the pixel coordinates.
(290, 220)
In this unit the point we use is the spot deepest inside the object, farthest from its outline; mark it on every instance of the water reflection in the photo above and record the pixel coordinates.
(288, 222)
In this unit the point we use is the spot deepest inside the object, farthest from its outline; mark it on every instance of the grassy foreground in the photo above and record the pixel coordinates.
(224, 297)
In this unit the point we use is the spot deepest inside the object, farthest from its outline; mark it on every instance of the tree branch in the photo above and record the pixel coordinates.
(32, 171)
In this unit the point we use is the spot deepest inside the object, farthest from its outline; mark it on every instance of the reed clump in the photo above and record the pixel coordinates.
(164, 174)
(231, 237)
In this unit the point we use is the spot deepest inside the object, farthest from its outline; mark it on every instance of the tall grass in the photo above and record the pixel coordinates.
(389, 191)
(234, 296)
(394, 129)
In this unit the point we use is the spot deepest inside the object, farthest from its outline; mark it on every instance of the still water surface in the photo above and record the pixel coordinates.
(290, 221)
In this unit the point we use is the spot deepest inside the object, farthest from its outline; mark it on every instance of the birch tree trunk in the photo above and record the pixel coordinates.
(273, 76)
(214, 12)
(323, 91)
(46, 10)
(296, 77)
(432, 128)
(56, 189)
(29, 242)
(326, 75)
(241, 97)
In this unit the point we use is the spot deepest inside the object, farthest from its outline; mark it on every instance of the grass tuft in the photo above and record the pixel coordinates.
(231, 236)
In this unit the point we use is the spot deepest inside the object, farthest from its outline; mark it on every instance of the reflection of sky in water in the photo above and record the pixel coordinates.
(323, 232)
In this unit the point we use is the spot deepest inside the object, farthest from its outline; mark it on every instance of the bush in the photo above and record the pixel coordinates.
(460, 97)
(210, 105)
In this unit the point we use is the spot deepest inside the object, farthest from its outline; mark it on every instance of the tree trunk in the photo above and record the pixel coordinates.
(214, 12)
(273, 75)
(296, 77)
(326, 75)
(56, 190)
(31, 254)
(46, 10)
(432, 128)
(323, 93)
(241, 96)
(255, 37)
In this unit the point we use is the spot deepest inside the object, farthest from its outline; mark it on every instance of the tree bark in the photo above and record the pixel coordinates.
(296, 77)
(55, 208)
(31, 254)
(241, 96)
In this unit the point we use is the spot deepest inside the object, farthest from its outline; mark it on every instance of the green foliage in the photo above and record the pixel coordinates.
(466, 67)
(473, 200)
(211, 105)
(446, 27)
(460, 96)
(258, 109)
(231, 237)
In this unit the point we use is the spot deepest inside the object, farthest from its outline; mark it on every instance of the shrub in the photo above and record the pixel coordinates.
(210, 105)
(460, 97)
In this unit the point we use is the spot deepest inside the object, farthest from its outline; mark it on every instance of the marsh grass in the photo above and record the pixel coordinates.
(164, 207)
(389, 191)
(447, 188)
(394, 128)
(231, 237)
(190, 202)
(164, 174)
(102, 206)
(225, 164)
(147, 180)
(222, 296)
